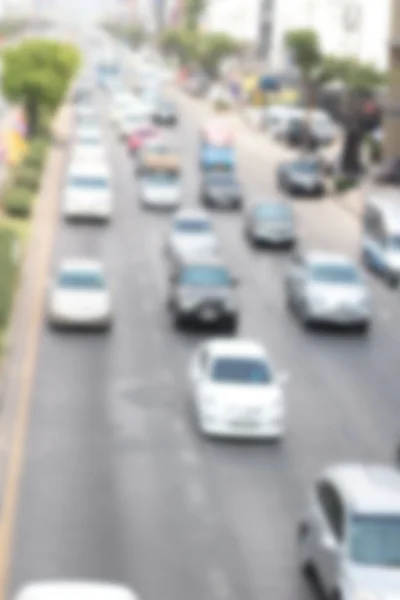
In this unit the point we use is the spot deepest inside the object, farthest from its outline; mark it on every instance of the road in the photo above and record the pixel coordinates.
(117, 485)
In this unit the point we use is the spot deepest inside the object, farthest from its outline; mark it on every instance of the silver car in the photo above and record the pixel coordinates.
(191, 234)
(350, 535)
(324, 287)
(271, 222)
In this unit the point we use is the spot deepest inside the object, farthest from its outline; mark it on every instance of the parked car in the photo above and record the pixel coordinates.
(302, 176)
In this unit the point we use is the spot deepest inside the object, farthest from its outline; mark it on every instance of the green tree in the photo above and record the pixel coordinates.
(183, 44)
(213, 49)
(36, 74)
(193, 11)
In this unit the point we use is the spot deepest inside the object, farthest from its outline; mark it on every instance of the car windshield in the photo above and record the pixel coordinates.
(273, 211)
(192, 226)
(221, 179)
(81, 280)
(375, 540)
(206, 276)
(394, 242)
(240, 370)
(160, 177)
(98, 183)
(335, 274)
(308, 168)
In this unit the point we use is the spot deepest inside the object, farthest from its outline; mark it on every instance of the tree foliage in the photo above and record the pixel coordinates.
(304, 47)
(193, 11)
(36, 74)
(213, 49)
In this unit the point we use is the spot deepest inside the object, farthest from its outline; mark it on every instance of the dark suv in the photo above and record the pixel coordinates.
(203, 291)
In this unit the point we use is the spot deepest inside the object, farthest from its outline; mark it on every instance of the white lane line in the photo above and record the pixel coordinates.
(218, 584)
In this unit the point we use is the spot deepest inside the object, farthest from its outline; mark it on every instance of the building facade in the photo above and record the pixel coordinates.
(358, 28)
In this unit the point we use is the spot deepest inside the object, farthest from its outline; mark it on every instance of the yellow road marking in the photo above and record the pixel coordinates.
(20, 429)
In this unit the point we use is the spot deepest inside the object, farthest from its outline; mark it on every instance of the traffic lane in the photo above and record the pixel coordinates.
(252, 495)
(171, 533)
(67, 523)
(208, 547)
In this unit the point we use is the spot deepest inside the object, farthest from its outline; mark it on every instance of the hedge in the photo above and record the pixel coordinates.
(18, 202)
(8, 273)
(27, 177)
(37, 153)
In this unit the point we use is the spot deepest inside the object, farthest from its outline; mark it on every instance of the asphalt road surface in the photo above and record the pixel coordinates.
(117, 484)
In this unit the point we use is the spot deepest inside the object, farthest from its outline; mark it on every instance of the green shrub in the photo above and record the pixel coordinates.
(27, 177)
(8, 273)
(17, 202)
(36, 154)
(342, 183)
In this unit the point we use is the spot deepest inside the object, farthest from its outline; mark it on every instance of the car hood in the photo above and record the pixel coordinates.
(381, 582)
(80, 299)
(194, 243)
(338, 293)
(305, 178)
(242, 396)
(223, 190)
(80, 196)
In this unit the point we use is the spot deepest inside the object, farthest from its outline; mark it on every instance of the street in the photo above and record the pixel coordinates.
(117, 483)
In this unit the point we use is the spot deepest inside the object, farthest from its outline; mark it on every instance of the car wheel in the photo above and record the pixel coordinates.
(231, 324)
(178, 319)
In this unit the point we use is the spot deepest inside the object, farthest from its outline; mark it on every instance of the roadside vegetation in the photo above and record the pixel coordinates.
(36, 76)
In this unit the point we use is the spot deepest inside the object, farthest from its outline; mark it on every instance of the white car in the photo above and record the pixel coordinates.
(88, 192)
(89, 153)
(160, 188)
(324, 287)
(235, 392)
(79, 295)
(72, 590)
(120, 104)
(191, 234)
(88, 133)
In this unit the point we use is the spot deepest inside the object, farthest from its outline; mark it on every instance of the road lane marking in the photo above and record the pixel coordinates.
(218, 584)
(24, 399)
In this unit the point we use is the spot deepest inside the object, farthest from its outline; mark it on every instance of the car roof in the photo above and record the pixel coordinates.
(219, 347)
(89, 168)
(367, 488)
(68, 590)
(199, 261)
(81, 264)
(191, 214)
(320, 257)
(387, 202)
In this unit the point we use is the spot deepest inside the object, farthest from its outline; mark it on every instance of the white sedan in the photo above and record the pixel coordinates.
(235, 392)
(79, 295)
(191, 234)
(88, 192)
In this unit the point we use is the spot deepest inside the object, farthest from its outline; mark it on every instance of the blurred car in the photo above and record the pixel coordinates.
(120, 103)
(319, 130)
(302, 176)
(325, 287)
(160, 182)
(139, 136)
(155, 147)
(67, 589)
(88, 133)
(88, 192)
(221, 190)
(271, 222)
(203, 290)
(165, 113)
(191, 234)
(235, 391)
(79, 295)
(89, 153)
(388, 172)
(86, 113)
(348, 538)
(133, 120)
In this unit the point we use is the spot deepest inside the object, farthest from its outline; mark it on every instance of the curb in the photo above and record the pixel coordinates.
(37, 254)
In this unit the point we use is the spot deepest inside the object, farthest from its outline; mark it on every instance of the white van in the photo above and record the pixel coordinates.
(279, 117)
(381, 237)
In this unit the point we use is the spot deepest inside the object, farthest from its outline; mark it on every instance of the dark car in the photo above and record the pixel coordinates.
(203, 291)
(165, 113)
(221, 190)
(271, 222)
(389, 172)
(302, 176)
